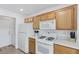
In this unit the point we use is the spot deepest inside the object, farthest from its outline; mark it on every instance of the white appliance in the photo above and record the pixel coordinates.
(49, 24)
(44, 48)
(45, 45)
(25, 31)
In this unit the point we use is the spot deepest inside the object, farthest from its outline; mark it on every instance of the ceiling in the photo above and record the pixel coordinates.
(28, 9)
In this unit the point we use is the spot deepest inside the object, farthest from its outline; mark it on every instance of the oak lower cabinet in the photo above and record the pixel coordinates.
(32, 46)
(66, 18)
(59, 49)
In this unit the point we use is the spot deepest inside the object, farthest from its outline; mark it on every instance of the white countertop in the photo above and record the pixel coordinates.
(33, 36)
(67, 43)
(61, 42)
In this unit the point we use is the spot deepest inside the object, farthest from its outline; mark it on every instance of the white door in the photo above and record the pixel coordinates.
(5, 31)
(12, 31)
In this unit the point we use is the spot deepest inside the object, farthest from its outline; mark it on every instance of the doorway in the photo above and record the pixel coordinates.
(7, 31)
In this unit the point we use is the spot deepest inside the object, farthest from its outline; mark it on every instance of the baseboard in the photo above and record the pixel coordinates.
(5, 46)
(23, 51)
(11, 45)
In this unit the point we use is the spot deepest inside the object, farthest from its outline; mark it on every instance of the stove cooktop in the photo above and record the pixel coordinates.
(50, 38)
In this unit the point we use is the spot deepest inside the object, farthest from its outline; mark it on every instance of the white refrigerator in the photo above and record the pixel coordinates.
(25, 31)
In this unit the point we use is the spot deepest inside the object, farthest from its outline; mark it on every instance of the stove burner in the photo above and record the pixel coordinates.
(50, 38)
(42, 37)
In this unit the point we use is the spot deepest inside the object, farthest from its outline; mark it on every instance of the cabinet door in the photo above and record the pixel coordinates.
(59, 49)
(47, 16)
(28, 20)
(32, 47)
(43, 17)
(51, 15)
(64, 19)
(36, 22)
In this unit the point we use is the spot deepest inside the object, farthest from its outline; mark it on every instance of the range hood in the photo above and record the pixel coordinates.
(48, 24)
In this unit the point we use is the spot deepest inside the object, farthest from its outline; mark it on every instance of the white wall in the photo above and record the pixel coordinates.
(19, 19)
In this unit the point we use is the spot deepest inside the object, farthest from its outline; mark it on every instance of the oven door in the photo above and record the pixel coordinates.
(43, 48)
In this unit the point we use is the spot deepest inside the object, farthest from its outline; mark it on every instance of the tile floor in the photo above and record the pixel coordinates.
(10, 50)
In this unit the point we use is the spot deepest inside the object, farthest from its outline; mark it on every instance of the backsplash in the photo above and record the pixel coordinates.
(46, 31)
(63, 34)
(60, 34)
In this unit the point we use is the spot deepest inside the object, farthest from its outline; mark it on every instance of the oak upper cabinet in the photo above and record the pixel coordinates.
(47, 16)
(51, 15)
(66, 19)
(59, 49)
(32, 47)
(28, 20)
(43, 17)
(36, 22)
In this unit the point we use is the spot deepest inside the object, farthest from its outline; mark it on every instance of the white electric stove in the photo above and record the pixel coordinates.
(44, 44)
